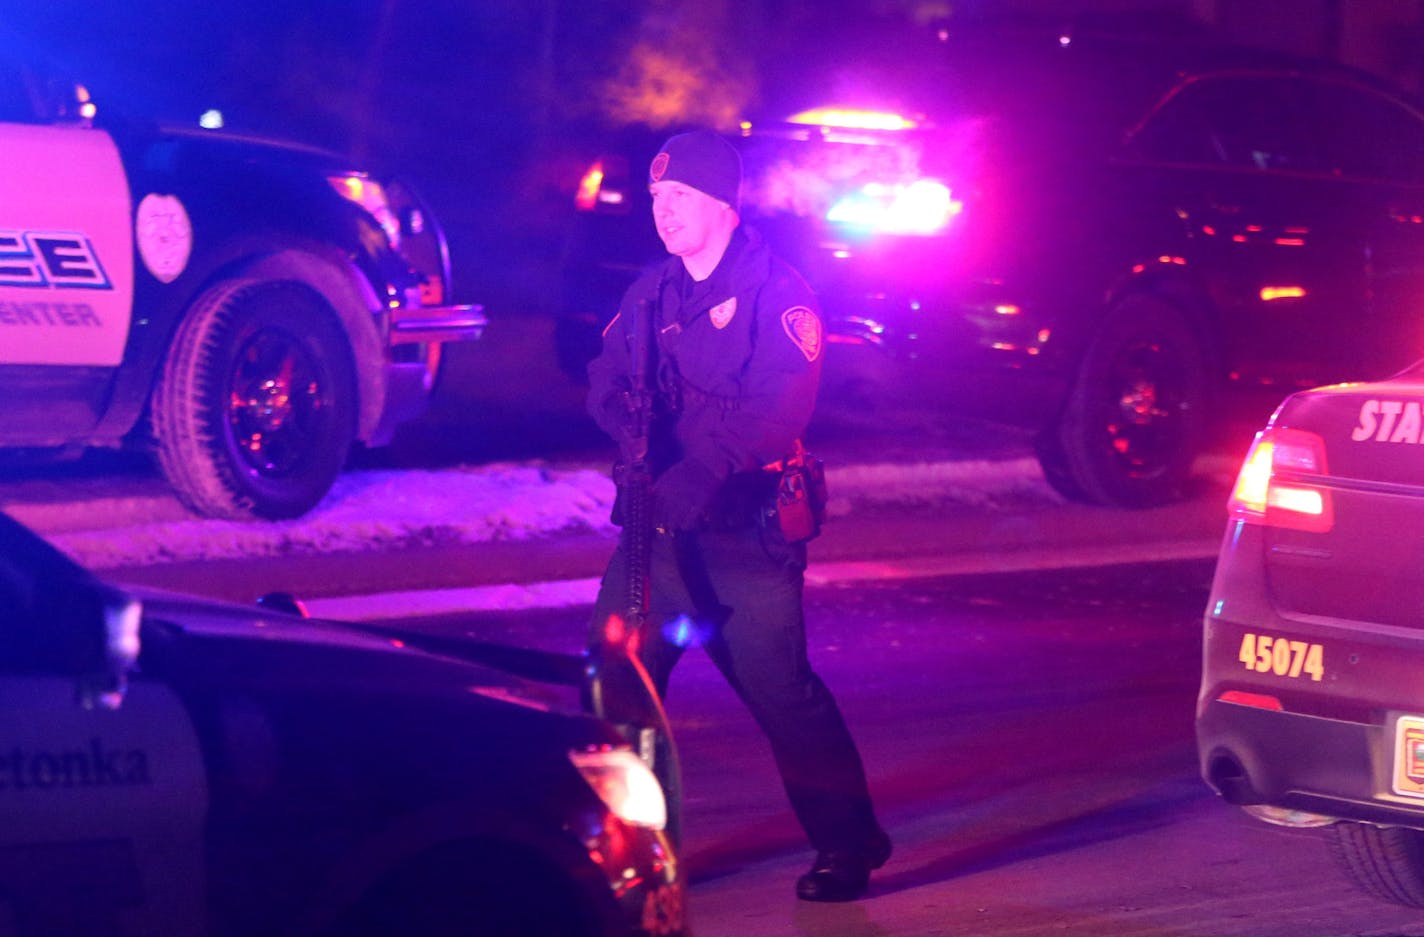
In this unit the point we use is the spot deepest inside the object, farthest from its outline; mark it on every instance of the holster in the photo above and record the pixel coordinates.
(790, 494)
(801, 497)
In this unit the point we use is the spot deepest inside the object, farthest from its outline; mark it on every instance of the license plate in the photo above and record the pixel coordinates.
(1409, 756)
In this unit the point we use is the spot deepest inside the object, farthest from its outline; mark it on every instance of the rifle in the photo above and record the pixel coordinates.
(619, 686)
(635, 481)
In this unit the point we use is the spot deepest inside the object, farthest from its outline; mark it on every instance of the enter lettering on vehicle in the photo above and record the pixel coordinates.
(1284, 657)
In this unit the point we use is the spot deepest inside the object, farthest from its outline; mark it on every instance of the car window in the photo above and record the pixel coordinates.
(1366, 134)
(16, 104)
(1241, 121)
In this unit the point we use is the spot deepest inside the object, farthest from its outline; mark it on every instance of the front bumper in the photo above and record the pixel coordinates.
(644, 878)
(435, 324)
(413, 342)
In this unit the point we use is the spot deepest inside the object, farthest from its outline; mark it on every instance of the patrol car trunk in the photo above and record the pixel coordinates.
(1344, 534)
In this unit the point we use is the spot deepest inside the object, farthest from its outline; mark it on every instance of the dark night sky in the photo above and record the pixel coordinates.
(485, 104)
(445, 91)
(490, 106)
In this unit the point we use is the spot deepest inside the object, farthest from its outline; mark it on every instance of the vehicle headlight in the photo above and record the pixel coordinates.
(370, 195)
(625, 785)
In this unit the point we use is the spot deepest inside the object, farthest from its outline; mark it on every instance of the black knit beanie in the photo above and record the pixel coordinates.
(701, 159)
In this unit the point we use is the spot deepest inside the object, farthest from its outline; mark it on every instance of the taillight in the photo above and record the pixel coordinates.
(368, 193)
(586, 198)
(925, 206)
(1275, 486)
(604, 186)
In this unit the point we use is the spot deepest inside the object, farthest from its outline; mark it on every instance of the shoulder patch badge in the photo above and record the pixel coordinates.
(804, 329)
(722, 313)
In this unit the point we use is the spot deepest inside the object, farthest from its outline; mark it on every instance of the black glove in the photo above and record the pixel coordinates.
(682, 494)
(621, 414)
(616, 410)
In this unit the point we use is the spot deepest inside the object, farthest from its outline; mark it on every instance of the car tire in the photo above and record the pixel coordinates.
(1133, 422)
(1387, 862)
(255, 411)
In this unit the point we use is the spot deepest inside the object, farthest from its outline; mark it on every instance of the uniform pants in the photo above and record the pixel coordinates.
(742, 590)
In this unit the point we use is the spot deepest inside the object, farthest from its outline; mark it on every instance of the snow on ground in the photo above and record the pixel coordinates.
(131, 521)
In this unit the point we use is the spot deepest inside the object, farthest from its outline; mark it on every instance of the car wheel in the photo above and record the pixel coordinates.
(254, 413)
(1387, 862)
(1132, 425)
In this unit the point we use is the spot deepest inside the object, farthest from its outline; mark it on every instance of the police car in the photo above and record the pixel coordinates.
(250, 307)
(1311, 711)
(1122, 245)
(175, 766)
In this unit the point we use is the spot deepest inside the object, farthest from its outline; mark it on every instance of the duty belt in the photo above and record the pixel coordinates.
(684, 393)
(746, 499)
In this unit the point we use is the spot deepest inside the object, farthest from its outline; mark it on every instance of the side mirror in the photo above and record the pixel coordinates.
(104, 686)
(283, 602)
(63, 101)
(58, 620)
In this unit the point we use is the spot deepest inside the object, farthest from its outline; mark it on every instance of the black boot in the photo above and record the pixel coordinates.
(843, 874)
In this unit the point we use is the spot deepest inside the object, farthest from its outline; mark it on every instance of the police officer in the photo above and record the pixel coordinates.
(738, 355)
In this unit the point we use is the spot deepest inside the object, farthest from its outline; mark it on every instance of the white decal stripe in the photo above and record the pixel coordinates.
(66, 247)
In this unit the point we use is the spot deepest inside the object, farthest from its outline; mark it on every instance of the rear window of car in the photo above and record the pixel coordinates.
(1364, 133)
(16, 104)
(1249, 121)
(1288, 123)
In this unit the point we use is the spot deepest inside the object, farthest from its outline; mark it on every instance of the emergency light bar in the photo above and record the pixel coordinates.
(925, 206)
(849, 119)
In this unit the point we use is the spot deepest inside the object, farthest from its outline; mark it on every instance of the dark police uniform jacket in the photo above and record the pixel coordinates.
(738, 362)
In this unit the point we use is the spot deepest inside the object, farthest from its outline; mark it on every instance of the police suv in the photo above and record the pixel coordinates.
(1121, 245)
(249, 307)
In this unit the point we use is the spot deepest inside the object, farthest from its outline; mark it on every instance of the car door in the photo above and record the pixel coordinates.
(66, 272)
(1270, 231)
(103, 794)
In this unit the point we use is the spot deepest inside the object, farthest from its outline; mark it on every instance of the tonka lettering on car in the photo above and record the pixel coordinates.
(1388, 421)
(94, 765)
(50, 259)
(1284, 657)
